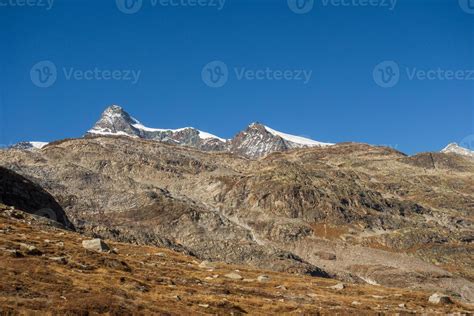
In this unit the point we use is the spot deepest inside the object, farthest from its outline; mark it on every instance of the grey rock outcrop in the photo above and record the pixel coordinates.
(96, 244)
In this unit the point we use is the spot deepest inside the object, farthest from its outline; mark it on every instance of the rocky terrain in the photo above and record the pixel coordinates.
(354, 212)
(48, 269)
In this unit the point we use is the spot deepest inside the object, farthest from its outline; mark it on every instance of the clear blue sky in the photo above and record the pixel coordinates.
(170, 45)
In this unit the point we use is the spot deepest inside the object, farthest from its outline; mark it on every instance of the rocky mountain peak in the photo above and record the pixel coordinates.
(115, 121)
(257, 140)
(456, 149)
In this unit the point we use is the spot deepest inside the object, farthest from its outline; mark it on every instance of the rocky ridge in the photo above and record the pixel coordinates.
(254, 142)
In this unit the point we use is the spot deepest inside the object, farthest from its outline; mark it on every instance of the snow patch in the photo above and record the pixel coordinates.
(38, 145)
(297, 139)
(202, 135)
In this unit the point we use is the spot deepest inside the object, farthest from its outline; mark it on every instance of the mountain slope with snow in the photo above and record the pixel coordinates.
(115, 121)
(255, 141)
(456, 149)
(259, 140)
(29, 145)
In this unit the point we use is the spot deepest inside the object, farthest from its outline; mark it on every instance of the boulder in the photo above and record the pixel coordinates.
(263, 278)
(326, 256)
(207, 265)
(95, 245)
(339, 286)
(30, 250)
(233, 276)
(438, 298)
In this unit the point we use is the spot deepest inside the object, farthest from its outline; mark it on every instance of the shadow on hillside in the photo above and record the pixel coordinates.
(25, 195)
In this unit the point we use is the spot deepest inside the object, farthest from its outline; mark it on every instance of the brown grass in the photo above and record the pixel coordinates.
(148, 280)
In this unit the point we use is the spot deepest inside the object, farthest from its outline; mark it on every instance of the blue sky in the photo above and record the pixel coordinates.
(168, 46)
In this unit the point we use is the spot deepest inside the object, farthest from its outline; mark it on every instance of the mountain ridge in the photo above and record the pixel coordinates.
(256, 141)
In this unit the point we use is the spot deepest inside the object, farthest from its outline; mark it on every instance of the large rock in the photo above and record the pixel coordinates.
(438, 298)
(233, 276)
(95, 245)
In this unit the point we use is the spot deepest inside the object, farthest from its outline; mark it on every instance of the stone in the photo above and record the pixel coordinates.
(263, 278)
(438, 298)
(326, 256)
(233, 276)
(95, 245)
(61, 260)
(204, 305)
(207, 265)
(15, 253)
(339, 286)
(30, 250)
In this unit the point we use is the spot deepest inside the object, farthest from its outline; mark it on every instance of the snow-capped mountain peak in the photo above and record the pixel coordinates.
(29, 145)
(116, 121)
(456, 149)
(296, 139)
(257, 140)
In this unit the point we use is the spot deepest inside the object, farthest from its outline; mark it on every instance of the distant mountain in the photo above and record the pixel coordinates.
(259, 140)
(29, 145)
(255, 141)
(115, 121)
(456, 149)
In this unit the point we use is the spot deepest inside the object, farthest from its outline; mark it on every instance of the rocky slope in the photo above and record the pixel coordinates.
(45, 269)
(254, 142)
(355, 212)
